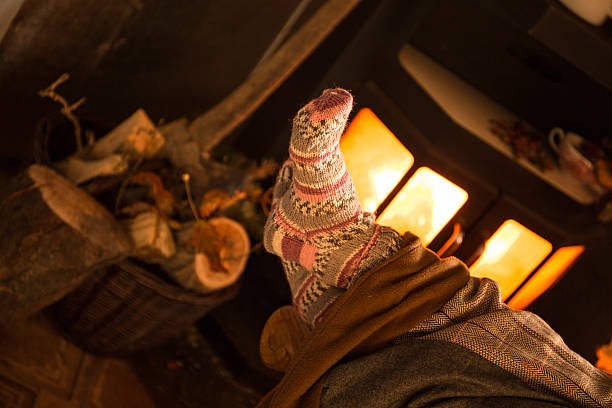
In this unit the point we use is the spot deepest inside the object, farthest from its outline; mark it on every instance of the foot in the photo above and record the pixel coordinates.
(316, 225)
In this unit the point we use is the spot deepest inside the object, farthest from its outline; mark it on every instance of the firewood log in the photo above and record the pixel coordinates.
(79, 171)
(194, 271)
(52, 236)
(136, 136)
(151, 237)
(179, 148)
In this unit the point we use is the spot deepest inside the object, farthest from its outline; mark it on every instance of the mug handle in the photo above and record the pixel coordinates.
(552, 138)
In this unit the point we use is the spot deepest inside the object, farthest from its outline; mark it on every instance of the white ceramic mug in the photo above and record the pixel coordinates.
(592, 11)
(567, 146)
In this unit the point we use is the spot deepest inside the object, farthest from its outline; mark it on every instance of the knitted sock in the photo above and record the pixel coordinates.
(316, 225)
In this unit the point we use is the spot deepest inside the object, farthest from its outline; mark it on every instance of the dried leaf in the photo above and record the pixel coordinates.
(265, 169)
(136, 208)
(164, 200)
(525, 144)
(603, 171)
(218, 200)
(234, 252)
(205, 240)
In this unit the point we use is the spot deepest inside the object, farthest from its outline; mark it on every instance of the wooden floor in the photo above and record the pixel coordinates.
(38, 368)
(213, 364)
(41, 369)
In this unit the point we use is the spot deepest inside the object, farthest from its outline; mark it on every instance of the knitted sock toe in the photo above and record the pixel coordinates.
(316, 225)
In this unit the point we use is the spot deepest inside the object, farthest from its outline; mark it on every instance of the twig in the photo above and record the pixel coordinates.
(186, 177)
(256, 247)
(90, 136)
(18, 193)
(156, 231)
(124, 183)
(266, 200)
(67, 109)
(120, 193)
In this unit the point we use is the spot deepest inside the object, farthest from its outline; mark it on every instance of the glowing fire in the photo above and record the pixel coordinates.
(510, 255)
(424, 205)
(374, 157)
(549, 273)
(382, 182)
(377, 161)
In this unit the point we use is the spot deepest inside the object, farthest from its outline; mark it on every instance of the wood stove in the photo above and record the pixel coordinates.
(438, 125)
(468, 210)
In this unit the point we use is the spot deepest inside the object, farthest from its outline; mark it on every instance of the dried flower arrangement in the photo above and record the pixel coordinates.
(525, 144)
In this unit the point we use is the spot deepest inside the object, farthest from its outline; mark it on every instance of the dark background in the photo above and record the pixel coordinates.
(178, 58)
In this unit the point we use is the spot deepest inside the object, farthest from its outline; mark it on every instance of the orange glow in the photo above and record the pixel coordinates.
(424, 205)
(374, 157)
(548, 274)
(510, 255)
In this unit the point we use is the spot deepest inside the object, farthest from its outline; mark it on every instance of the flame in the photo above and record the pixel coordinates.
(424, 205)
(377, 161)
(495, 249)
(375, 158)
(549, 273)
(510, 255)
(383, 182)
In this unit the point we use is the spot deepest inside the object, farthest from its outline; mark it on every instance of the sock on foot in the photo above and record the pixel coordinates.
(316, 225)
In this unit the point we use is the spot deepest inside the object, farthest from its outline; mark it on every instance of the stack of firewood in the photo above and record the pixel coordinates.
(140, 191)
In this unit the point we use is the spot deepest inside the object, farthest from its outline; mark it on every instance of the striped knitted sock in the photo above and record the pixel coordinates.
(317, 226)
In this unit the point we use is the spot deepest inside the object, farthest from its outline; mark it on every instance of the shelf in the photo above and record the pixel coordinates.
(473, 110)
(587, 47)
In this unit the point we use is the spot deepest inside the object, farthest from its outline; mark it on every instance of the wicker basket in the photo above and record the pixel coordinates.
(127, 309)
